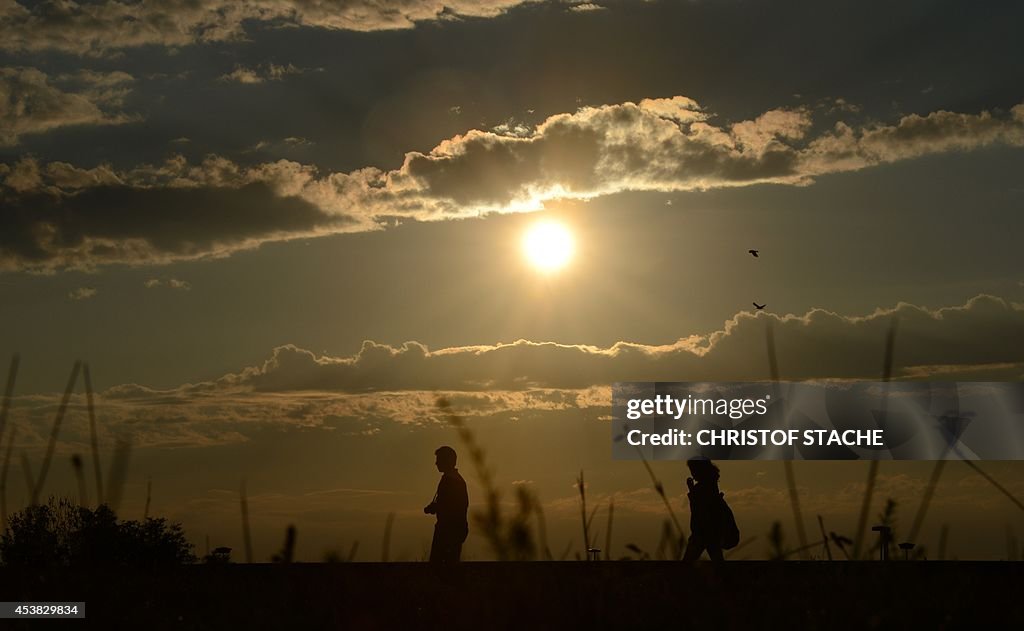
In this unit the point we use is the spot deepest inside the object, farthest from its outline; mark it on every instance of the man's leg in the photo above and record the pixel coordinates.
(452, 546)
(437, 546)
(456, 551)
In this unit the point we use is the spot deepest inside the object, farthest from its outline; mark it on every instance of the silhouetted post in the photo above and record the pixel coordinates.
(593, 554)
(884, 536)
(906, 546)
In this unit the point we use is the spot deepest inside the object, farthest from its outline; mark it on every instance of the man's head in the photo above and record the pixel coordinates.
(445, 458)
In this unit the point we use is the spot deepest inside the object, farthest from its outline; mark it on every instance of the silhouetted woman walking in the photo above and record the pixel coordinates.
(707, 511)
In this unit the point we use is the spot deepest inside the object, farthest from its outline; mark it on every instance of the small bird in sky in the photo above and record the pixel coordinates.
(753, 253)
(759, 307)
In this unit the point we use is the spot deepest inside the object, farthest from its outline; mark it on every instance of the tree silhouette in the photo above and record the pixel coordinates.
(62, 534)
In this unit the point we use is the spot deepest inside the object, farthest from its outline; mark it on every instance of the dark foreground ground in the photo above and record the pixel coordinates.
(813, 595)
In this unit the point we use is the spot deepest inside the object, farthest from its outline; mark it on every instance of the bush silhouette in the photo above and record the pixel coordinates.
(62, 534)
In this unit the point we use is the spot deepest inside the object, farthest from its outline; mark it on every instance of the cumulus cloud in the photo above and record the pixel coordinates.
(96, 28)
(845, 148)
(31, 104)
(381, 386)
(818, 344)
(71, 216)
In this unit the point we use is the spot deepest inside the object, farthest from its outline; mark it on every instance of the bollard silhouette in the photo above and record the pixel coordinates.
(906, 546)
(884, 537)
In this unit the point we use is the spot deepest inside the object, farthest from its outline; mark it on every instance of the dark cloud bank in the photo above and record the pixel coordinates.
(60, 216)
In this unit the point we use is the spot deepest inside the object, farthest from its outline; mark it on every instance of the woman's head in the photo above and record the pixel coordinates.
(703, 470)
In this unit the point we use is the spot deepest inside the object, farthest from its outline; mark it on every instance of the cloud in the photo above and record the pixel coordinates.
(200, 415)
(172, 283)
(287, 145)
(260, 74)
(82, 293)
(845, 149)
(31, 104)
(67, 215)
(62, 216)
(382, 386)
(587, 6)
(98, 28)
(818, 344)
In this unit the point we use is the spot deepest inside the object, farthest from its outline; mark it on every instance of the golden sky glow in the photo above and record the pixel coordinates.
(277, 246)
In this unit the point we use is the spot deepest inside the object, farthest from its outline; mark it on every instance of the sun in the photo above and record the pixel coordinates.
(548, 246)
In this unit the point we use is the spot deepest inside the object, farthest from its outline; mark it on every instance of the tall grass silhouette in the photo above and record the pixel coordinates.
(869, 489)
(118, 473)
(5, 403)
(30, 483)
(287, 553)
(52, 443)
(659, 488)
(5, 406)
(246, 536)
(149, 497)
(582, 487)
(83, 494)
(93, 440)
(608, 533)
(385, 546)
(787, 465)
(510, 537)
(3, 478)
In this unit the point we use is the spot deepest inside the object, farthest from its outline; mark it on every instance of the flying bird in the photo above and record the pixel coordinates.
(753, 253)
(759, 307)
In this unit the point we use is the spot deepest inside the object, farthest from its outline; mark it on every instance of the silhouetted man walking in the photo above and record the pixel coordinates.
(450, 505)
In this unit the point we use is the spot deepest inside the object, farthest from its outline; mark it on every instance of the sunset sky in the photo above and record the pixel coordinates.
(276, 230)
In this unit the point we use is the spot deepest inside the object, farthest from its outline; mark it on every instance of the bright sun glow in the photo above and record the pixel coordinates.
(548, 246)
